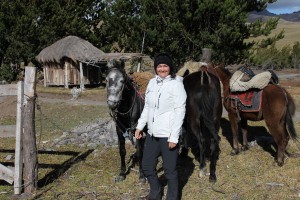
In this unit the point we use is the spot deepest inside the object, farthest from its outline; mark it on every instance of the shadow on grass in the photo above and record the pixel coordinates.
(185, 168)
(59, 169)
(258, 134)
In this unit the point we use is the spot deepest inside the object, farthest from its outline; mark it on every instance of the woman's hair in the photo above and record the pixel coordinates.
(165, 58)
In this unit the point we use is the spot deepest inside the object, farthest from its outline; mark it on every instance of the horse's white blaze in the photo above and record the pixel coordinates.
(115, 82)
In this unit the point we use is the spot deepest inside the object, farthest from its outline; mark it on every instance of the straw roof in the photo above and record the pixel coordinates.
(71, 47)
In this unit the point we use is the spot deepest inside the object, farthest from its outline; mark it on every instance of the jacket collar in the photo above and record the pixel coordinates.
(160, 80)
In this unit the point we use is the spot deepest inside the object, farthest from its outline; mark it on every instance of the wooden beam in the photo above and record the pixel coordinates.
(6, 174)
(19, 132)
(8, 90)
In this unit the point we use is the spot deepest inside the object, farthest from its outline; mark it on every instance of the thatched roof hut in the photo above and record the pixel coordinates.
(74, 61)
(71, 47)
(71, 61)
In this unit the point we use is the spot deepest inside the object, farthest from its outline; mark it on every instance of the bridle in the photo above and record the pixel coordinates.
(123, 86)
(115, 112)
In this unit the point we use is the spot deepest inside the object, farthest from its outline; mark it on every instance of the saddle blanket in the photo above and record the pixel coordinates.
(248, 101)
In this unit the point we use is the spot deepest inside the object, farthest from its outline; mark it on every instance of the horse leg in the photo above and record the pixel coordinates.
(281, 137)
(184, 151)
(202, 160)
(122, 152)
(139, 154)
(244, 126)
(214, 156)
(234, 127)
(194, 128)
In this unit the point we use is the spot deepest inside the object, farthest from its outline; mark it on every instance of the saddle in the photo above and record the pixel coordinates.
(244, 79)
(247, 101)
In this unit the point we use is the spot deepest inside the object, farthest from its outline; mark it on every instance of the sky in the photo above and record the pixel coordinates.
(284, 6)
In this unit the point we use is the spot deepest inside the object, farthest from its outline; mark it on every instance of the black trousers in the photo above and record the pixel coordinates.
(153, 148)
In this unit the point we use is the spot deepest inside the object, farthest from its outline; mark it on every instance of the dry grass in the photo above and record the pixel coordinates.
(70, 172)
(291, 32)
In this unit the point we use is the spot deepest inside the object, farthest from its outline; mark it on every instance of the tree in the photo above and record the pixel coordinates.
(295, 56)
(184, 27)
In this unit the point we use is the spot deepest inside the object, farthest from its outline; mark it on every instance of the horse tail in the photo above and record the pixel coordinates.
(291, 107)
(209, 101)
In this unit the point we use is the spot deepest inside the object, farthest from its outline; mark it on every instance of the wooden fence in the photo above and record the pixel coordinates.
(25, 134)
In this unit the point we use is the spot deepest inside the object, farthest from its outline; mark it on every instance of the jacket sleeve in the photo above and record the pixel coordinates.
(144, 116)
(179, 112)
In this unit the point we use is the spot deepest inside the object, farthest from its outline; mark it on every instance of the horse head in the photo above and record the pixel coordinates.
(115, 82)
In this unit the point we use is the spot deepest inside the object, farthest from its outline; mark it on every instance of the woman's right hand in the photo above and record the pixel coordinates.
(138, 134)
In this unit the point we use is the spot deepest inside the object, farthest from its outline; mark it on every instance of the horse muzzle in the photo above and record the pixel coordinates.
(112, 104)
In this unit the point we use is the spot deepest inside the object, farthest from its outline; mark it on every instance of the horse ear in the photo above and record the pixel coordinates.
(187, 72)
(122, 63)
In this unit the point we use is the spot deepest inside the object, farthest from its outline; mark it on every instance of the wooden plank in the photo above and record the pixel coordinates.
(8, 90)
(19, 133)
(6, 174)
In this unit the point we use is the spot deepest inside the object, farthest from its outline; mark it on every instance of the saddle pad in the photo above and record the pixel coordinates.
(249, 101)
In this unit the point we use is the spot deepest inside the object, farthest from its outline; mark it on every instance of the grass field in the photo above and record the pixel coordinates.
(291, 32)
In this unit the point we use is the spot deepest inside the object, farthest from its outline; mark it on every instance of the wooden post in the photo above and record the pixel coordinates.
(19, 133)
(66, 75)
(29, 139)
(45, 75)
(81, 77)
(206, 55)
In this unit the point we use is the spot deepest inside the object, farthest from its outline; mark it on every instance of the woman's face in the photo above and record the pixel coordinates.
(163, 70)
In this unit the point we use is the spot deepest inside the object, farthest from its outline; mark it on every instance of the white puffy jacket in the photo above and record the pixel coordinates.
(164, 108)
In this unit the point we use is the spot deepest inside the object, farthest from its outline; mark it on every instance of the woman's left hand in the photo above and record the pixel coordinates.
(172, 145)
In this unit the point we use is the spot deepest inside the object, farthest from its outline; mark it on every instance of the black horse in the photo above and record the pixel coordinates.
(202, 121)
(126, 106)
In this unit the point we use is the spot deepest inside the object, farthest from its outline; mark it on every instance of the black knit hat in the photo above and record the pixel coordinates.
(165, 58)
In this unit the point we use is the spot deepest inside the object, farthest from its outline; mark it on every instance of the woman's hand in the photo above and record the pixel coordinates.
(172, 145)
(138, 134)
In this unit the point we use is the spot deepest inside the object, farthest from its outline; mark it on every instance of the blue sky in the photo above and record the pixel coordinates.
(284, 6)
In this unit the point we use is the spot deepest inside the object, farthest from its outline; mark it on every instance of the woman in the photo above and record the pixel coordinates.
(163, 113)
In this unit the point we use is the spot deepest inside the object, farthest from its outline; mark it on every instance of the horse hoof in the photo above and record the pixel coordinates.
(202, 173)
(280, 164)
(245, 148)
(212, 178)
(234, 152)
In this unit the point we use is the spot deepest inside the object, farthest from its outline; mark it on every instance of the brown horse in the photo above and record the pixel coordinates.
(277, 109)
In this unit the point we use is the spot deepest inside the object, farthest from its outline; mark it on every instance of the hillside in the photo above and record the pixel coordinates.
(291, 28)
(265, 15)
